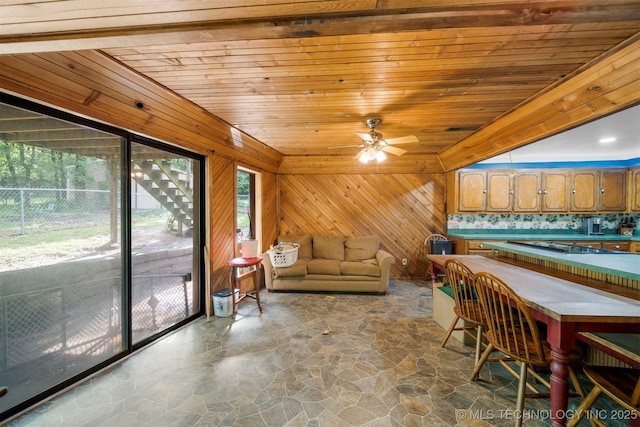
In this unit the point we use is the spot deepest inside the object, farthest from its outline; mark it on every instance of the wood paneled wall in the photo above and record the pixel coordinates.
(222, 223)
(401, 208)
(269, 209)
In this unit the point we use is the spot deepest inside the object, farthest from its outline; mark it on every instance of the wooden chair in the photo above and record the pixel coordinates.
(430, 238)
(620, 384)
(512, 330)
(427, 246)
(467, 307)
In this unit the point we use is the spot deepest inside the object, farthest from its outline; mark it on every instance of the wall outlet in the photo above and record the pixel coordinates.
(404, 261)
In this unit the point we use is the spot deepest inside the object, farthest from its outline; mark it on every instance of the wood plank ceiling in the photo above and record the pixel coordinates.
(303, 76)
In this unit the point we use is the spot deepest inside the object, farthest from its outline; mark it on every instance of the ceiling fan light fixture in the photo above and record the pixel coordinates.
(364, 158)
(371, 153)
(380, 156)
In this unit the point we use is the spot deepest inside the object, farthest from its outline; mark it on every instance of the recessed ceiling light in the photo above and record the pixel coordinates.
(607, 140)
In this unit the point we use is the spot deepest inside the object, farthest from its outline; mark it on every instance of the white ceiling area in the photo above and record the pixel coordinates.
(584, 143)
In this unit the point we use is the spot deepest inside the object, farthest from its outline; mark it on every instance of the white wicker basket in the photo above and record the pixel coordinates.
(281, 257)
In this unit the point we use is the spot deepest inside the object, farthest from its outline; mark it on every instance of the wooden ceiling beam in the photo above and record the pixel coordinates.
(122, 26)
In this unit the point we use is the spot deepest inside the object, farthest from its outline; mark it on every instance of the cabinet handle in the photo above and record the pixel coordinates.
(484, 190)
(510, 191)
(617, 246)
(539, 191)
(544, 191)
(602, 190)
(573, 191)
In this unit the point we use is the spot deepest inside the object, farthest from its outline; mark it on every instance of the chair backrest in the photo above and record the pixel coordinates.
(461, 280)
(635, 396)
(430, 238)
(510, 326)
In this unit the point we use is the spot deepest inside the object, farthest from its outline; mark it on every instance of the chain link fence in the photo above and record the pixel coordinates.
(40, 210)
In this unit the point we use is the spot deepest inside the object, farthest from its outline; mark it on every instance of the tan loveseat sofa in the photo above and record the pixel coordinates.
(332, 264)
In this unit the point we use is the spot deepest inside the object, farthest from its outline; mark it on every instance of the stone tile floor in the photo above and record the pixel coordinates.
(307, 360)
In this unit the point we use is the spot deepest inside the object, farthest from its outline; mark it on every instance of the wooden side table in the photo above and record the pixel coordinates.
(236, 263)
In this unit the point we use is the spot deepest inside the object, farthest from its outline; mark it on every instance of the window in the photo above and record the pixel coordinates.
(248, 206)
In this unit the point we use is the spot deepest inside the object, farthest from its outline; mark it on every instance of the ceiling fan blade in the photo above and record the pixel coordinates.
(393, 150)
(365, 137)
(346, 146)
(402, 140)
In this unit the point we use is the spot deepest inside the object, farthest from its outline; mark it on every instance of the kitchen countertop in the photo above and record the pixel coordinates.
(621, 265)
(538, 235)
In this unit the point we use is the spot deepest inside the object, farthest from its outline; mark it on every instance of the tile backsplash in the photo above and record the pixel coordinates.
(532, 221)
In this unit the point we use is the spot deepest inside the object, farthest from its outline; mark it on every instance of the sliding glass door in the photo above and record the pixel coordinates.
(164, 233)
(100, 248)
(61, 287)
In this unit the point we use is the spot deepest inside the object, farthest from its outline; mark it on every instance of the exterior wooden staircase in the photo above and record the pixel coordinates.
(171, 188)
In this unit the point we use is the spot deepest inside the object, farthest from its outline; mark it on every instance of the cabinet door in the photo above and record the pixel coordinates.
(555, 191)
(528, 192)
(473, 191)
(584, 191)
(499, 192)
(612, 194)
(635, 192)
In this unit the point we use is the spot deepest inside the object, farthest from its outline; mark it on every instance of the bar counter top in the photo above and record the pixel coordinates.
(622, 265)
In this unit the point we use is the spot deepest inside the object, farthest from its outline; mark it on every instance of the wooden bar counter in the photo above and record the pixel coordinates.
(566, 307)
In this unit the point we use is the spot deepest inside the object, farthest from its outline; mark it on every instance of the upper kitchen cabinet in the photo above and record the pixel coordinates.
(500, 191)
(541, 191)
(544, 191)
(528, 191)
(635, 190)
(584, 191)
(612, 191)
(472, 191)
(598, 191)
(485, 191)
(555, 191)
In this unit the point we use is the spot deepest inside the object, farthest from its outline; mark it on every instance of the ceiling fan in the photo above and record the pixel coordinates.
(374, 145)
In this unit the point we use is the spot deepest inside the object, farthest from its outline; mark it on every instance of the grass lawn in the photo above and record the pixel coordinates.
(53, 246)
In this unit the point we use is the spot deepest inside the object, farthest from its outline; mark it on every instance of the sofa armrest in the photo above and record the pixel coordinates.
(268, 271)
(385, 261)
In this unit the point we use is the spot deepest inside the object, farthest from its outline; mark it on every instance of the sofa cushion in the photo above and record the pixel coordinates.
(328, 247)
(299, 268)
(361, 248)
(304, 240)
(324, 266)
(356, 268)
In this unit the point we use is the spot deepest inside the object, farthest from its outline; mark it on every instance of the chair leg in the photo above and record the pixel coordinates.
(450, 331)
(586, 404)
(576, 383)
(478, 342)
(522, 383)
(480, 363)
